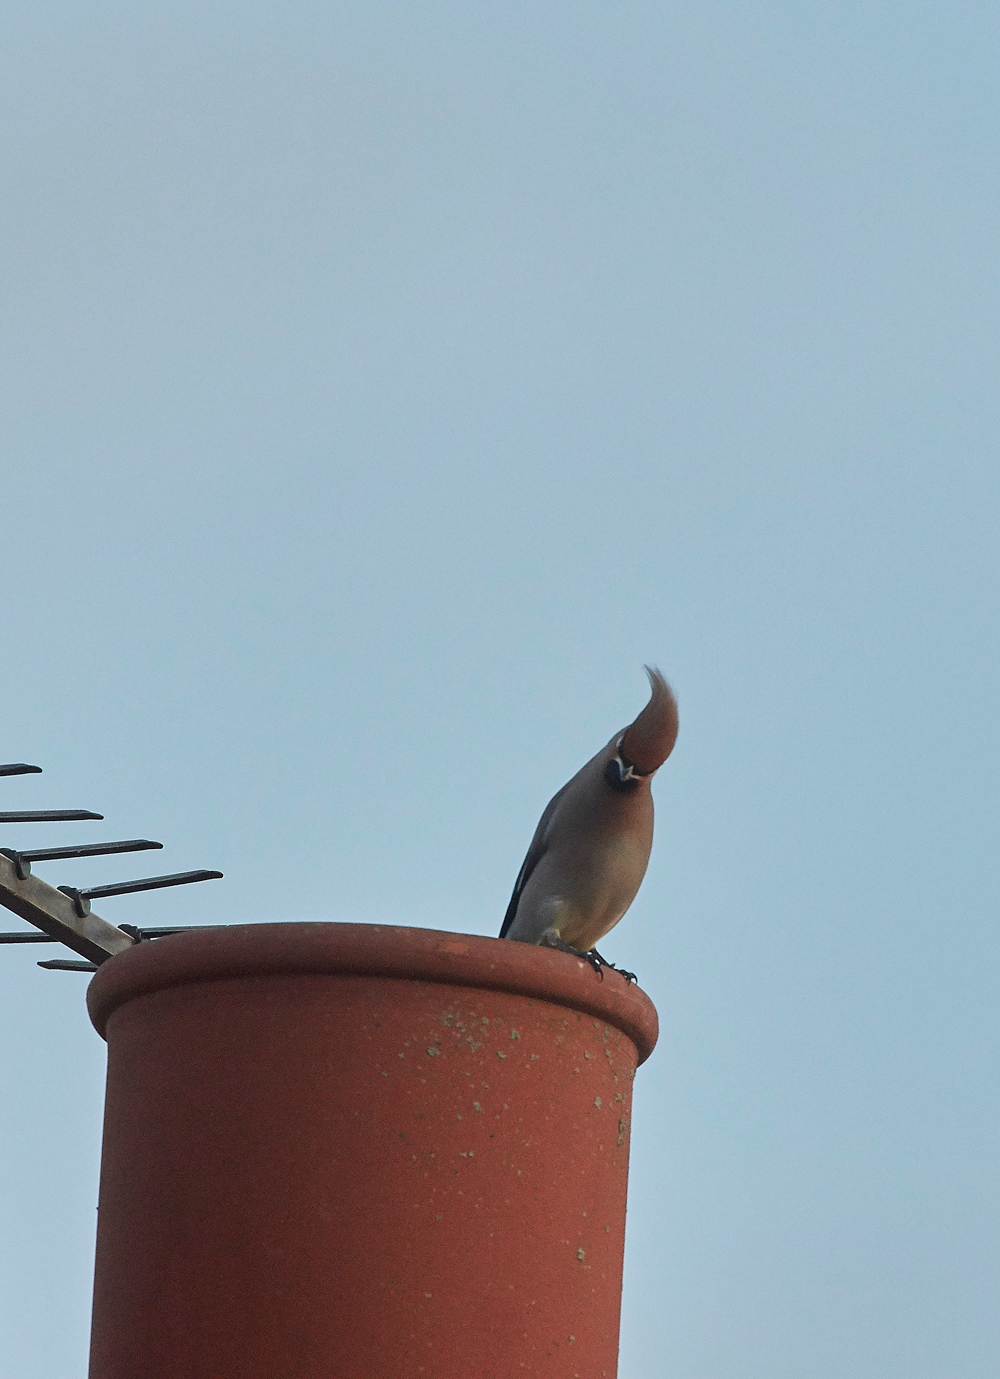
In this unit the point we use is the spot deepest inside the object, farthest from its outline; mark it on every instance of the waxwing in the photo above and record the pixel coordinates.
(591, 847)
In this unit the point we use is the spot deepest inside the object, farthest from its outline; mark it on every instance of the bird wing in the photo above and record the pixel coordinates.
(535, 854)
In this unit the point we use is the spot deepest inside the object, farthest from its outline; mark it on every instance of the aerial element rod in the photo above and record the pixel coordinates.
(19, 768)
(23, 860)
(25, 936)
(46, 816)
(85, 850)
(81, 899)
(64, 965)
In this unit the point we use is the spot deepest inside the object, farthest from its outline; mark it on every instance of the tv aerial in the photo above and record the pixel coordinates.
(64, 914)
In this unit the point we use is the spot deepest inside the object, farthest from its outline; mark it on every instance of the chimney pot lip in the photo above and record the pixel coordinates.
(393, 952)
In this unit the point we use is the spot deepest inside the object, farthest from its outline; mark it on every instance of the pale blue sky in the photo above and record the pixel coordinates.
(381, 386)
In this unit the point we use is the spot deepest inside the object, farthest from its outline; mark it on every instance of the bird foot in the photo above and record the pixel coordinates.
(552, 940)
(629, 976)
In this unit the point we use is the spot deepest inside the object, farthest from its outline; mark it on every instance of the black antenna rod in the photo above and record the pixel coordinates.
(20, 768)
(81, 899)
(23, 860)
(46, 816)
(163, 931)
(85, 850)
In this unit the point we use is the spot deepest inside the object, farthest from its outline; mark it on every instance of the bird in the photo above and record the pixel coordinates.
(592, 844)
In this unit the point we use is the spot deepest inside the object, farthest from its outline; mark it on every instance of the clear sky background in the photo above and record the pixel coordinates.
(381, 386)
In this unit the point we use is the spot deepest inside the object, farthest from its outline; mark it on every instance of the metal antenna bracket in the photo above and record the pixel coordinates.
(63, 913)
(56, 915)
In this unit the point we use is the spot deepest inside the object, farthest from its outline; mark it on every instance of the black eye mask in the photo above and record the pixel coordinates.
(620, 773)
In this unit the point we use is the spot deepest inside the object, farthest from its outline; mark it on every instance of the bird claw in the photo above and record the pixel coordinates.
(552, 940)
(629, 976)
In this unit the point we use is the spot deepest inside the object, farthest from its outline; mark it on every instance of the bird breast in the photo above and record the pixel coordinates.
(594, 866)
